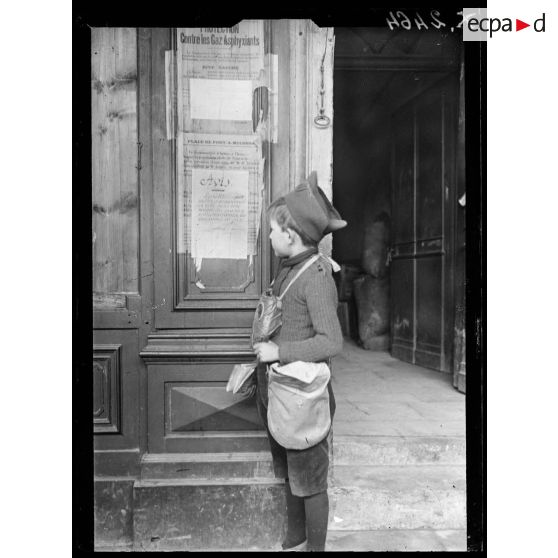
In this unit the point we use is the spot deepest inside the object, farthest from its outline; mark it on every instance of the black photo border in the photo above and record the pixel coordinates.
(121, 15)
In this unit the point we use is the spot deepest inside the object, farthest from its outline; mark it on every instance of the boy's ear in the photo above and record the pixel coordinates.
(292, 235)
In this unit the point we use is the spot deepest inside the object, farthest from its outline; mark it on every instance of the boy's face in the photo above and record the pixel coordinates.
(280, 240)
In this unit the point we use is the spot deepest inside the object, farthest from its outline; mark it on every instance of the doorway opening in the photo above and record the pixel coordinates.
(396, 180)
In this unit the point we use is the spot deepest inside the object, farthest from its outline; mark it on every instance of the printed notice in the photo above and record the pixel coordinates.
(222, 52)
(219, 213)
(219, 99)
(220, 153)
(222, 83)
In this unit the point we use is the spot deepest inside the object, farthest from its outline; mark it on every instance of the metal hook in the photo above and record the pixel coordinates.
(322, 121)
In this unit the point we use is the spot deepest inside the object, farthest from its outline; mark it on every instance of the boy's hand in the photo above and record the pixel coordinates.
(248, 388)
(267, 352)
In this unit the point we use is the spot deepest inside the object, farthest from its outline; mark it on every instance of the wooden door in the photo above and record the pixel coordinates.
(118, 274)
(203, 301)
(423, 203)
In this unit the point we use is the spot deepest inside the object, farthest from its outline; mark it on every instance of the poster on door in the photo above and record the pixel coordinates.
(233, 53)
(220, 71)
(222, 82)
(219, 213)
(221, 154)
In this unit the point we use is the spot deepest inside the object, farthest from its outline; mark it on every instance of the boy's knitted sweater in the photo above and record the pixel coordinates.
(310, 328)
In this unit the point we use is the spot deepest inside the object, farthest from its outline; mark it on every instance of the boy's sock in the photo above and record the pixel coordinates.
(317, 512)
(296, 519)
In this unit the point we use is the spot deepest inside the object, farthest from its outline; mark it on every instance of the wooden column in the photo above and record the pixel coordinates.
(311, 107)
(319, 117)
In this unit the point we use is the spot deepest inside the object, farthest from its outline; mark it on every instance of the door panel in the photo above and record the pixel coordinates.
(402, 311)
(403, 211)
(203, 297)
(203, 306)
(423, 183)
(429, 160)
(429, 311)
(206, 406)
(190, 292)
(117, 285)
(189, 410)
(403, 177)
(114, 157)
(116, 366)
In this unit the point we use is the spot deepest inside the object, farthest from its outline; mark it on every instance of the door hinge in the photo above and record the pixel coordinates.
(389, 256)
(140, 145)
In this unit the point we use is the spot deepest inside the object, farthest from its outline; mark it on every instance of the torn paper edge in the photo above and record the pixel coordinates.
(169, 93)
(261, 179)
(181, 185)
(181, 177)
(274, 98)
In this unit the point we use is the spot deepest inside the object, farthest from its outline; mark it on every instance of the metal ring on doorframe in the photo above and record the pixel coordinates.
(322, 121)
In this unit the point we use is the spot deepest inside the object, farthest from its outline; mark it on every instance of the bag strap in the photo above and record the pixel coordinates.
(335, 266)
(300, 272)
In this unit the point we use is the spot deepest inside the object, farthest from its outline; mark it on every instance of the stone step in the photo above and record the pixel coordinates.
(209, 500)
(207, 465)
(191, 514)
(393, 540)
(407, 428)
(347, 450)
(394, 497)
(218, 441)
(398, 450)
(381, 540)
(390, 540)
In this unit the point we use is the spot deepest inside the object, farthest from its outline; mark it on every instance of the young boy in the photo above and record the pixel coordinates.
(310, 332)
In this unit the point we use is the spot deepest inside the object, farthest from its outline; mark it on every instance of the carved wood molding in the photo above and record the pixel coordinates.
(198, 346)
(107, 377)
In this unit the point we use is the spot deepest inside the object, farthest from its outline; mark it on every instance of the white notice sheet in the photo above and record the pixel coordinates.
(221, 99)
(219, 213)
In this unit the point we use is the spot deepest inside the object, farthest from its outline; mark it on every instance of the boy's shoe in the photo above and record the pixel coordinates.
(288, 547)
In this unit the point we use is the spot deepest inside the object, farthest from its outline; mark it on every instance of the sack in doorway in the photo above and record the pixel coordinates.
(376, 245)
(372, 301)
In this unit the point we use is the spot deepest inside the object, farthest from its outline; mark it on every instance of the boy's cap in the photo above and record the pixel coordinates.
(311, 209)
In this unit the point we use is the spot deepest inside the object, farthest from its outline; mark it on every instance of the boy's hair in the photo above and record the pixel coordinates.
(279, 212)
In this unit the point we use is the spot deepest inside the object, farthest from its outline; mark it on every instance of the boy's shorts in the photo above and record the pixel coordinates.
(306, 469)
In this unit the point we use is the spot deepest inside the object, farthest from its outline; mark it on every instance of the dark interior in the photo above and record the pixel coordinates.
(376, 71)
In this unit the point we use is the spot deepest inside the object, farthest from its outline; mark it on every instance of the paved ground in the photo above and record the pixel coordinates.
(398, 475)
(382, 396)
